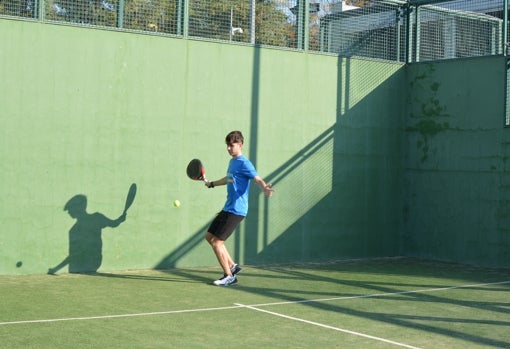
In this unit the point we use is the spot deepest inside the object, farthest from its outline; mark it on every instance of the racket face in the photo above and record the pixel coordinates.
(195, 170)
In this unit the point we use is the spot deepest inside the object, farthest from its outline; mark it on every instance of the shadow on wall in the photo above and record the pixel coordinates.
(260, 211)
(341, 191)
(85, 240)
(170, 260)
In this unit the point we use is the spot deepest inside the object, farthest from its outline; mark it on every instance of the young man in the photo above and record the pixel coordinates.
(239, 173)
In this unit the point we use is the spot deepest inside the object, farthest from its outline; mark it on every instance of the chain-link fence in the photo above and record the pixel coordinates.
(375, 31)
(395, 30)
(458, 29)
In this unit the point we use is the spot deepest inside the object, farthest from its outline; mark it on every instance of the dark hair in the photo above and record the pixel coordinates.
(234, 137)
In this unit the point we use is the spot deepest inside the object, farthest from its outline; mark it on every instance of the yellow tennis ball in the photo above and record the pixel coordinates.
(177, 203)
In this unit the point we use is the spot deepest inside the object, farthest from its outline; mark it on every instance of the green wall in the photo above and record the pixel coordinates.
(456, 170)
(88, 112)
(368, 159)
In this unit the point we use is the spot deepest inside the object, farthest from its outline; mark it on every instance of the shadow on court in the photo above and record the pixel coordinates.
(186, 278)
(394, 292)
(401, 303)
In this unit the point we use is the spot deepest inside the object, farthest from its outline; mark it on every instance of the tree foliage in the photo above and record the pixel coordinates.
(212, 19)
(18, 8)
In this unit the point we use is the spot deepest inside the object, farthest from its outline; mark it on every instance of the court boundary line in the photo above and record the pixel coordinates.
(102, 317)
(374, 295)
(318, 324)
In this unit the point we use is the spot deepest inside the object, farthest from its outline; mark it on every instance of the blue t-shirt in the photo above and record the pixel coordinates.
(239, 173)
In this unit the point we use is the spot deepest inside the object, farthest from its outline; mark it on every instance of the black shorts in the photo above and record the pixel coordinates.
(224, 224)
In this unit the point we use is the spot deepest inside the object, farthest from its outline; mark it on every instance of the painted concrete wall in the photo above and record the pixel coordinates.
(456, 173)
(88, 112)
(368, 159)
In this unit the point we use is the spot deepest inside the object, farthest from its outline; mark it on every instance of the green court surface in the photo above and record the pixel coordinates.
(387, 303)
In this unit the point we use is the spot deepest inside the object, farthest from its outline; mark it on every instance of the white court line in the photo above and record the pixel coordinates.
(238, 306)
(359, 334)
(374, 295)
(117, 316)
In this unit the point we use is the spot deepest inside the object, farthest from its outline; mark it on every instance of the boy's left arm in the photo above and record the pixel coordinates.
(266, 188)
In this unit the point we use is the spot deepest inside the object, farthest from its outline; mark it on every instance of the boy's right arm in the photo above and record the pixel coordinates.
(216, 183)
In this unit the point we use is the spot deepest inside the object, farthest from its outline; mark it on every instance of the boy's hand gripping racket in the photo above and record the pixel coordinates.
(196, 171)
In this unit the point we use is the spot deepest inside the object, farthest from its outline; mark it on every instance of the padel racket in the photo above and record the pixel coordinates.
(130, 197)
(196, 170)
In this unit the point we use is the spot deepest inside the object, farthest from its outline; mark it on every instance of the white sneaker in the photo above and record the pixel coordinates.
(236, 269)
(226, 281)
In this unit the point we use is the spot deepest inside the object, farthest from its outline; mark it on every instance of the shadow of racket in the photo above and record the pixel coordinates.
(130, 197)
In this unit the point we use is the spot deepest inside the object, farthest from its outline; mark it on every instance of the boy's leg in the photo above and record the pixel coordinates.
(219, 231)
(221, 252)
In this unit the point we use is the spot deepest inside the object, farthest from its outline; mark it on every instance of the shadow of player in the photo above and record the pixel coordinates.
(85, 241)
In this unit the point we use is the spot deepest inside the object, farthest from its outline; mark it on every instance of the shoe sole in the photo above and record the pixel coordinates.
(231, 284)
(225, 285)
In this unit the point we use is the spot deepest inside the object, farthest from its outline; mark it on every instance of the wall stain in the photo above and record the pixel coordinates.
(426, 108)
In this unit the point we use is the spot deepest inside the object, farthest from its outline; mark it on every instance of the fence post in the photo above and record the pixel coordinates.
(505, 28)
(183, 18)
(409, 34)
(253, 15)
(120, 14)
(306, 25)
(40, 11)
(302, 13)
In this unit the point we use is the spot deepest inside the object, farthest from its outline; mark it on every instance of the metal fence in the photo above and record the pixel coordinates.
(396, 30)
(458, 29)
